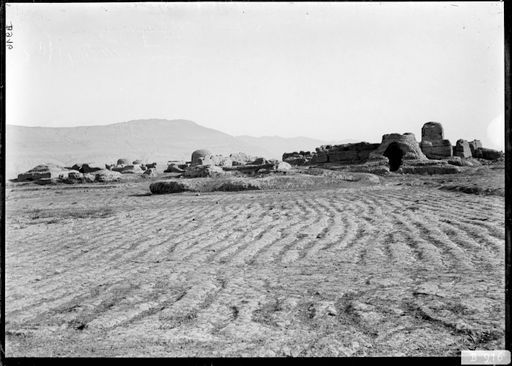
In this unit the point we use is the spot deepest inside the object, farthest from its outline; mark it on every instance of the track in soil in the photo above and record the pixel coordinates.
(328, 272)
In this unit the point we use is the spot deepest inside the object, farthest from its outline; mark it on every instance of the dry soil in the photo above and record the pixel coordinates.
(393, 269)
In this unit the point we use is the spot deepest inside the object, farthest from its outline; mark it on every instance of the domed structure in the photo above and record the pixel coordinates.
(123, 162)
(396, 148)
(196, 155)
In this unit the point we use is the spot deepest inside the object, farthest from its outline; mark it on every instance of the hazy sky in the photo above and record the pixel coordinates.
(330, 71)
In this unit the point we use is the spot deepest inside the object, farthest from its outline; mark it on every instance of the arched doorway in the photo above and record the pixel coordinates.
(395, 154)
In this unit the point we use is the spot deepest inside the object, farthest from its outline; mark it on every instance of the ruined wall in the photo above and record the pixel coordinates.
(433, 144)
(462, 149)
(355, 153)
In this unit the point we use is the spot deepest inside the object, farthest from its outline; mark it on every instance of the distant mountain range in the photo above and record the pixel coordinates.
(149, 140)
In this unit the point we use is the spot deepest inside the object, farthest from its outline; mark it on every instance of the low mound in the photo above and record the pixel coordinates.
(430, 169)
(474, 189)
(203, 185)
(172, 187)
(314, 179)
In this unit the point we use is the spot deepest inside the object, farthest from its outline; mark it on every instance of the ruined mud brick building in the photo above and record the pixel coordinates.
(394, 149)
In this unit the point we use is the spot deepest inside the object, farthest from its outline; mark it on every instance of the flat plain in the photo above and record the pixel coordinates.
(400, 268)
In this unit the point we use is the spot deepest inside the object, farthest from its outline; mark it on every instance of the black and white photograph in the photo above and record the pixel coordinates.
(254, 180)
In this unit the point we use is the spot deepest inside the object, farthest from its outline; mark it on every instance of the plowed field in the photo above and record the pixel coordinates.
(368, 271)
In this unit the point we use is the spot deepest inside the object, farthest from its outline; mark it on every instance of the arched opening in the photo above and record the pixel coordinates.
(395, 154)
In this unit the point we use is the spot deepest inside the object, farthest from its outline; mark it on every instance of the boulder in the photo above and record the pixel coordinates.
(433, 144)
(151, 165)
(135, 162)
(200, 171)
(196, 155)
(462, 149)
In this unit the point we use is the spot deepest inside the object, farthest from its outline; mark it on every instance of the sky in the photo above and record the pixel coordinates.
(330, 71)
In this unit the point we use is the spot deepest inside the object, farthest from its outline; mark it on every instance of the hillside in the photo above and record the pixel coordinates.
(150, 140)
(276, 145)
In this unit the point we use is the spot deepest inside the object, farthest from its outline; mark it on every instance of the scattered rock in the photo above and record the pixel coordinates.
(203, 171)
(458, 161)
(240, 158)
(151, 172)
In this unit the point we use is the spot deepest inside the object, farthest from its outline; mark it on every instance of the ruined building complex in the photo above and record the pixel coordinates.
(395, 149)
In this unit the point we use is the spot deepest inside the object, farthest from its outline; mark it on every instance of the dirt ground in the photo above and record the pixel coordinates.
(402, 268)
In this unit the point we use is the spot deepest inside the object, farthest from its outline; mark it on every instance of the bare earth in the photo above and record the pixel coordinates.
(393, 269)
